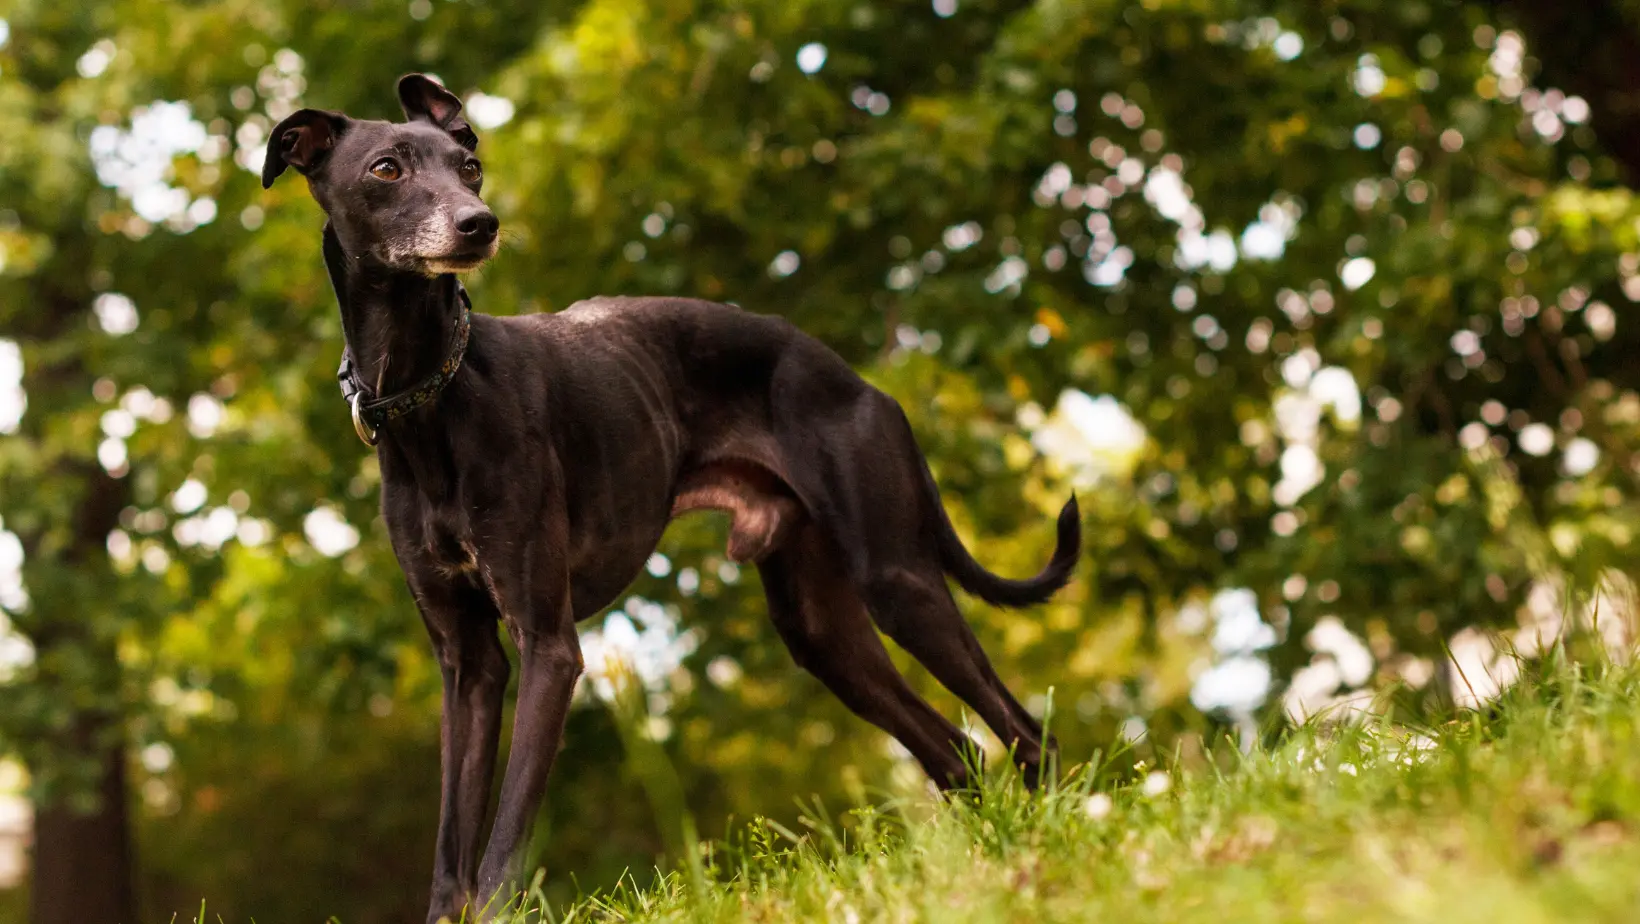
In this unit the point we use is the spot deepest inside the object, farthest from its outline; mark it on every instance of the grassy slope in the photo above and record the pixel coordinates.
(1528, 815)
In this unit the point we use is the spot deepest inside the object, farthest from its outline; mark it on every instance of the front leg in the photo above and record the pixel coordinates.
(532, 588)
(462, 623)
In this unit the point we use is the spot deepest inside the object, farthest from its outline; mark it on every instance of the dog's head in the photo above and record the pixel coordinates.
(403, 193)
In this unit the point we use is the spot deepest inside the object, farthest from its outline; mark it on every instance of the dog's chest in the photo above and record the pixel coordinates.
(450, 549)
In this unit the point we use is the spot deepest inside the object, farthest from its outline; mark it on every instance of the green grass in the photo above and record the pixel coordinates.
(1527, 814)
(1530, 813)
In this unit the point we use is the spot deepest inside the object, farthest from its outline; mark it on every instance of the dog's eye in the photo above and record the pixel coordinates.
(471, 172)
(386, 169)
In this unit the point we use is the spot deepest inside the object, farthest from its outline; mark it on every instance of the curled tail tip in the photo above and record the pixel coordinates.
(1067, 552)
(1071, 510)
(1001, 591)
(1070, 527)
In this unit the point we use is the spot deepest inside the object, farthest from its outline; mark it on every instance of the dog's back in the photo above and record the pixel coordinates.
(723, 357)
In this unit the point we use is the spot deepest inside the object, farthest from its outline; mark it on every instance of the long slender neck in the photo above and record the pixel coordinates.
(397, 325)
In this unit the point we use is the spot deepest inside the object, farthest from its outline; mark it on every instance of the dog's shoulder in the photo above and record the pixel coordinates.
(617, 311)
(604, 310)
(597, 310)
(660, 323)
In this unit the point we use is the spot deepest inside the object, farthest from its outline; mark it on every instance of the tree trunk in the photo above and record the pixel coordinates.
(82, 861)
(83, 867)
(1591, 49)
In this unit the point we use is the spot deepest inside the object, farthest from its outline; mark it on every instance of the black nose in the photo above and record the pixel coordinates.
(477, 226)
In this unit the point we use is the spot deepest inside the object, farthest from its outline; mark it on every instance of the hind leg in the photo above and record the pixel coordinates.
(858, 470)
(914, 608)
(826, 627)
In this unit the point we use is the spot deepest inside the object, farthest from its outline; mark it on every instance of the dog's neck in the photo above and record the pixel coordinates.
(397, 325)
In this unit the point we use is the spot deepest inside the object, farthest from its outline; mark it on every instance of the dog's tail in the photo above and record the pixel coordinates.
(991, 588)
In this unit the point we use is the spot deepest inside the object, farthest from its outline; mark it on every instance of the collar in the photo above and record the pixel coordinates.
(369, 413)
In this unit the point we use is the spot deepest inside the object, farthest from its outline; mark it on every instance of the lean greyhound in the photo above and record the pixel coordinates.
(530, 464)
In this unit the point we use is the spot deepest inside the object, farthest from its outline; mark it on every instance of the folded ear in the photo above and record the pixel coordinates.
(302, 140)
(425, 100)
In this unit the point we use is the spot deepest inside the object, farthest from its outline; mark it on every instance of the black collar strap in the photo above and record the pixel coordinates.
(370, 413)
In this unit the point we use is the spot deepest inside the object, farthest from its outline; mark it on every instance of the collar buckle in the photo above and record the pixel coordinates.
(370, 437)
(381, 410)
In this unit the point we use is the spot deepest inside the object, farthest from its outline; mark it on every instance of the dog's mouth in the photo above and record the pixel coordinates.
(460, 262)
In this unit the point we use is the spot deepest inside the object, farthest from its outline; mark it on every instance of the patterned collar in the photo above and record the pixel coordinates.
(370, 413)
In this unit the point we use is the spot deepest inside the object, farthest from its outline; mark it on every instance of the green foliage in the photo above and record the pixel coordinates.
(948, 185)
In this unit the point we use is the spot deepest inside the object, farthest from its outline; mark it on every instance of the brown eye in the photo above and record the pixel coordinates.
(471, 172)
(386, 169)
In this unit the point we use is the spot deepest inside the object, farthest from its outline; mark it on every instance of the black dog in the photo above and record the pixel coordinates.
(529, 470)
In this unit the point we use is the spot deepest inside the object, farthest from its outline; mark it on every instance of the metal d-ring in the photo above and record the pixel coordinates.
(365, 433)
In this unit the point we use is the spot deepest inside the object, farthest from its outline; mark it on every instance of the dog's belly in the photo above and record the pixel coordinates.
(600, 571)
(762, 515)
(761, 508)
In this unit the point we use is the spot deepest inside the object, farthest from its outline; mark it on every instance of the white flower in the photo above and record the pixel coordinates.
(1098, 806)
